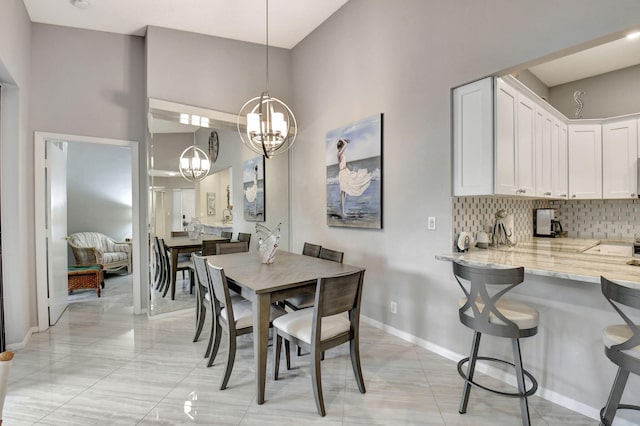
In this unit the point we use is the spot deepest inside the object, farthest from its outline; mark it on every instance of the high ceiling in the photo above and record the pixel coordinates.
(290, 21)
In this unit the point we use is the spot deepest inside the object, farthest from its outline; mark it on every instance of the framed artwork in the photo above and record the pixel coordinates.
(253, 187)
(354, 174)
(211, 203)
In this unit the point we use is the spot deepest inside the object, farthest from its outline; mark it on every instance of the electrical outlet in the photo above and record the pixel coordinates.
(393, 306)
(431, 223)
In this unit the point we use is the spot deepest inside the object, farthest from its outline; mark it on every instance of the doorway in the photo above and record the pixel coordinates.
(42, 263)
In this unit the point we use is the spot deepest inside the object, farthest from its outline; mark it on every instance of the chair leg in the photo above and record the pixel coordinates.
(317, 381)
(200, 317)
(287, 353)
(354, 349)
(475, 344)
(524, 405)
(216, 336)
(231, 357)
(614, 397)
(277, 348)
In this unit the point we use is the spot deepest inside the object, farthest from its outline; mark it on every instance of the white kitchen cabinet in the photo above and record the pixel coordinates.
(473, 138)
(514, 142)
(585, 161)
(559, 160)
(620, 159)
(544, 152)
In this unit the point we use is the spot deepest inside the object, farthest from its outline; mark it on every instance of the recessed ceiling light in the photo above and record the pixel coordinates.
(81, 4)
(633, 36)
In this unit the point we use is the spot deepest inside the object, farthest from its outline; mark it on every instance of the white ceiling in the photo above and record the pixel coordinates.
(615, 55)
(290, 21)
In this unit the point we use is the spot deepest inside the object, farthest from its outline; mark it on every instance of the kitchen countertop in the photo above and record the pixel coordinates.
(555, 257)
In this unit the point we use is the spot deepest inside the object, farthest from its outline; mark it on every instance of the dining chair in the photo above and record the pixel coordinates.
(158, 274)
(233, 315)
(183, 265)
(232, 247)
(226, 234)
(310, 249)
(333, 255)
(621, 344)
(244, 237)
(325, 326)
(209, 246)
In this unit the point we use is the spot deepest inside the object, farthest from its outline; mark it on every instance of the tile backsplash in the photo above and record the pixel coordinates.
(599, 219)
(473, 214)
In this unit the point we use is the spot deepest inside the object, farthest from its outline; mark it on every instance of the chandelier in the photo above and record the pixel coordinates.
(194, 163)
(271, 126)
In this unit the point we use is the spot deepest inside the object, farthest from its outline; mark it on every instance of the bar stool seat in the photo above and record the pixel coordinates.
(621, 345)
(485, 311)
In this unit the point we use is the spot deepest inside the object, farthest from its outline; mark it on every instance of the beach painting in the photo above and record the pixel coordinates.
(253, 188)
(354, 174)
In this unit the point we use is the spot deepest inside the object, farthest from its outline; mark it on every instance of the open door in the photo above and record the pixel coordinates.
(56, 227)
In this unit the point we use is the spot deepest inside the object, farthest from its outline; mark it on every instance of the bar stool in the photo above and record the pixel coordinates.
(621, 345)
(486, 312)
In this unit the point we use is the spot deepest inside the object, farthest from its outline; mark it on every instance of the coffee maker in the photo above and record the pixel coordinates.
(545, 223)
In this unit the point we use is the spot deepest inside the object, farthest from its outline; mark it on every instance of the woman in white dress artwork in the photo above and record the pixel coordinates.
(252, 192)
(352, 182)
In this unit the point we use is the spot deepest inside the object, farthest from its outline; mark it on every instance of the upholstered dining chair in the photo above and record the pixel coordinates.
(334, 320)
(232, 247)
(226, 234)
(244, 237)
(159, 269)
(209, 246)
(621, 344)
(232, 315)
(310, 249)
(333, 255)
(183, 265)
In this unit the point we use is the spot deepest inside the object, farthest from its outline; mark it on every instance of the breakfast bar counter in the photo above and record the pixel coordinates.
(555, 257)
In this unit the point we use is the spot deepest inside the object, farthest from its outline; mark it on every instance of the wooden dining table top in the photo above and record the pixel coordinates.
(176, 242)
(288, 270)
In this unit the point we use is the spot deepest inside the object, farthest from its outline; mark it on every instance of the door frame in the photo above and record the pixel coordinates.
(40, 139)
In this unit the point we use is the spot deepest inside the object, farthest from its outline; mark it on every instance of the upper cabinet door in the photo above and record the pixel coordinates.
(620, 159)
(506, 152)
(544, 152)
(559, 160)
(526, 167)
(585, 161)
(473, 138)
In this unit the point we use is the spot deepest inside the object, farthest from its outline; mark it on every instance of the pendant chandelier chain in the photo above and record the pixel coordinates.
(267, 50)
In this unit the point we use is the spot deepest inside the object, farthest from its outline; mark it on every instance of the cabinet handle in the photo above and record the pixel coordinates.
(573, 196)
(563, 195)
(547, 194)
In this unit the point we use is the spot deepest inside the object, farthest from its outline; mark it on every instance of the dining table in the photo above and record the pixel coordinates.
(177, 245)
(289, 275)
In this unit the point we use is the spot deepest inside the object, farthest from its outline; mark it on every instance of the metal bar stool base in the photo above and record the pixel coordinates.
(619, 407)
(527, 393)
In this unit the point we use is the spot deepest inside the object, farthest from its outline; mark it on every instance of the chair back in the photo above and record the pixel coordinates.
(209, 246)
(619, 296)
(479, 285)
(244, 237)
(312, 250)
(179, 234)
(332, 255)
(202, 276)
(232, 247)
(226, 234)
(335, 295)
(219, 288)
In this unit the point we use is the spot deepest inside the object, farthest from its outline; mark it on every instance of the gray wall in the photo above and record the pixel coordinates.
(17, 179)
(402, 59)
(89, 83)
(606, 95)
(99, 190)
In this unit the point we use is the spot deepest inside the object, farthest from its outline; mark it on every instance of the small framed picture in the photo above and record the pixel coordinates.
(211, 203)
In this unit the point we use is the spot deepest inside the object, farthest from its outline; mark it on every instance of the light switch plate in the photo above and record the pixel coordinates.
(431, 223)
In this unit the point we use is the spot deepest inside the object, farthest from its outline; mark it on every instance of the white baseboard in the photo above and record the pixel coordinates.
(23, 344)
(496, 373)
(172, 314)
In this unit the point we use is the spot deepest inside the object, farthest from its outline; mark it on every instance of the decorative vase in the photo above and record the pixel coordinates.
(268, 242)
(194, 229)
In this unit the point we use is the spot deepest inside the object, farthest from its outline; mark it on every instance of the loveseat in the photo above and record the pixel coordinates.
(94, 247)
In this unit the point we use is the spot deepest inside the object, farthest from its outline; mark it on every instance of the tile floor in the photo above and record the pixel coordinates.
(102, 365)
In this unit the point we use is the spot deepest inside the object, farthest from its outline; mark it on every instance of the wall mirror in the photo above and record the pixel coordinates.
(602, 76)
(174, 201)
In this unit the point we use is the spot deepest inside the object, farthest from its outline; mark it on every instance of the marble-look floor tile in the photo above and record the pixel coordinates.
(102, 365)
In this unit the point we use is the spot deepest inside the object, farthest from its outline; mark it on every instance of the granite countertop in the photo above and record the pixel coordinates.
(555, 257)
